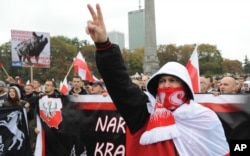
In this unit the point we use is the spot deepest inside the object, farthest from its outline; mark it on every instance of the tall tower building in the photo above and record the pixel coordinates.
(151, 61)
(117, 38)
(136, 29)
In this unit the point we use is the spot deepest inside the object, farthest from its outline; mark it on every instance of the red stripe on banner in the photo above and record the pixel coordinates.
(95, 106)
(223, 107)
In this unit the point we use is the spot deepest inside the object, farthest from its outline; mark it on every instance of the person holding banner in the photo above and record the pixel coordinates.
(15, 116)
(163, 120)
(14, 99)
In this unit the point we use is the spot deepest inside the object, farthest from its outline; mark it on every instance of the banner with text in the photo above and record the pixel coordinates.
(100, 129)
(29, 48)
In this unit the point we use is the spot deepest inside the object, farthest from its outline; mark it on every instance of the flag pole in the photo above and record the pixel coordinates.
(5, 71)
(69, 70)
(31, 74)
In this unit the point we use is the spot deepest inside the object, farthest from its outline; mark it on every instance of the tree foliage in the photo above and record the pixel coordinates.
(133, 60)
(232, 66)
(167, 53)
(185, 53)
(210, 60)
(64, 49)
(136, 61)
(246, 65)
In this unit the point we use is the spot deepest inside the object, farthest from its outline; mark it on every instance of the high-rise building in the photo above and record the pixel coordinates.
(117, 38)
(136, 29)
(151, 60)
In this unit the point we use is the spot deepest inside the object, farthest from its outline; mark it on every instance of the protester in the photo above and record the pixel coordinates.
(227, 86)
(51, 89)
(77, 88)
(50, 111)
(97, 88)
(203, 85)
(136, 81)
(32, 97)
(87, 86)
(210, 84)
(241, 80)
(3, 93)
(13, 82)
(246, 87)
(14, 99)
(37, 86)
(144, 80)
(159, 126)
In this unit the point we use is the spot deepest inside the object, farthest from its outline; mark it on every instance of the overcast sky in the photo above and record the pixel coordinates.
(224, 23)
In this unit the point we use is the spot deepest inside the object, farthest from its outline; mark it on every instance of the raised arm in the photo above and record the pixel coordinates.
(96, 27)
(129, 99)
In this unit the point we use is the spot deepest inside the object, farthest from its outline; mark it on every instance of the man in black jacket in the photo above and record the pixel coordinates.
(163, 118)
(77, 86)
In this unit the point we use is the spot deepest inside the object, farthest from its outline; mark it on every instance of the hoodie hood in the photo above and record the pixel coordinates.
(247, 82)
(174, 69)
(17, 91)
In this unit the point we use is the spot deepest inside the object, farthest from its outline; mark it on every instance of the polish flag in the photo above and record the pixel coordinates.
(193, 70)
(64, 88)
(81, 68)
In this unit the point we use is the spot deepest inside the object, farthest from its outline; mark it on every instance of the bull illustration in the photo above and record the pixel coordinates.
(31, 47)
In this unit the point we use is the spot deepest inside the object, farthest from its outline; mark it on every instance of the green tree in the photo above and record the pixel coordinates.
(136, 61)
(126, 54)
(167, 53)
(185, 53)
(5, 59)
(210, 60)
(246, 65)
(75, 41)
(232, 66)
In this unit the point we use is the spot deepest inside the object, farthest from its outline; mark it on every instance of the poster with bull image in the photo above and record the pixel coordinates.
(30, 48)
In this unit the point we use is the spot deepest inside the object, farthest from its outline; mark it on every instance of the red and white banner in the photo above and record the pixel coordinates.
(104, 132)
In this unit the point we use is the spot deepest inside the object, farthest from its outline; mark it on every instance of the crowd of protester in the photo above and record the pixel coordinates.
(227, 84)
(27, 95)
(12, 93)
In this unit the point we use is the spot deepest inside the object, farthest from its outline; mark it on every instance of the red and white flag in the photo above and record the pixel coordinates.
(193, 70)
(81, 68)
(64, 88)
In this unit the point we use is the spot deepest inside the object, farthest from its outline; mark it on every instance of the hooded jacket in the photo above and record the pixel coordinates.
(201, 132)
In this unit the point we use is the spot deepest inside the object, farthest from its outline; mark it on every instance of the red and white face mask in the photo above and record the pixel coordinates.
(172, 98)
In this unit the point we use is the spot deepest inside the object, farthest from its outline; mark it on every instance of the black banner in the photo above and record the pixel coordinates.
(14, 139)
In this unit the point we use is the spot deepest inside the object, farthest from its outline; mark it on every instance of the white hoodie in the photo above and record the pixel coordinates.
(201, 132)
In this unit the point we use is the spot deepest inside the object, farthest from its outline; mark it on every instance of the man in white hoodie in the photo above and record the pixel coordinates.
(163, 120)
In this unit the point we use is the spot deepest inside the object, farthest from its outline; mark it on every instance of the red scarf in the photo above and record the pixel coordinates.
(161, 125)
(171, 98)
